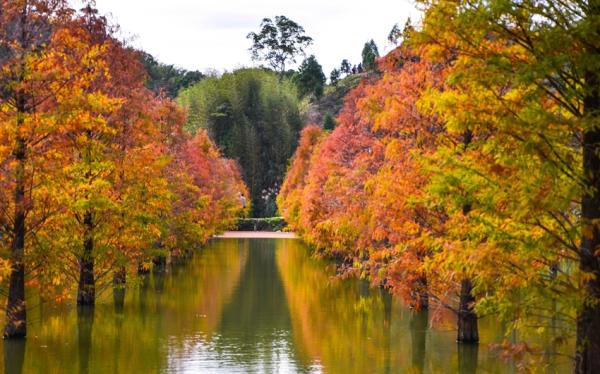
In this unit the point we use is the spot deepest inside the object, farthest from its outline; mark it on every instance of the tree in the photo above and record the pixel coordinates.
(278, 43)
(329, 122)
(32, 75)
(167, 78)
(394, 35)
(310, 78)
(290, 198)
(334, 77)
(370, 53)
(345, 67)
(255, 119)
(85, 151)
(529, 78)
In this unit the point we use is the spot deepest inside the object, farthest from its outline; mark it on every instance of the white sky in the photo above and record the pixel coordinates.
(208, 34)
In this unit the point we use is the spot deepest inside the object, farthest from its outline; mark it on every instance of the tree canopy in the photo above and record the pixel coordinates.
(370, 53)
(255, 119)
(167, 78)
(310, 78)
(279, 43)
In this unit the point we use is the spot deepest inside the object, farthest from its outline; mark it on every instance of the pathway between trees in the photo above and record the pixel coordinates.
(257, 235)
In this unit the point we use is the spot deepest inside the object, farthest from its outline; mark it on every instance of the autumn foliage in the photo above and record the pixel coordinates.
(98, 179)
(455, 178)
(358, 196)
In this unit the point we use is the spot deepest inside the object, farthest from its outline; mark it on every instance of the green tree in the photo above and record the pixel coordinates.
(370, 53)
(345, 67)
(334, 76)
(254, 118)
(329, 122)
(310, 78)
(278, 43)
(167, 78)
(395, 34)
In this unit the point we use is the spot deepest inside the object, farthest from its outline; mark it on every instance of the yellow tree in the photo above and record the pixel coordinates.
(524, 84)
(39, 63)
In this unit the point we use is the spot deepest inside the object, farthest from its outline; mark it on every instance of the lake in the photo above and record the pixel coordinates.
(251, 306)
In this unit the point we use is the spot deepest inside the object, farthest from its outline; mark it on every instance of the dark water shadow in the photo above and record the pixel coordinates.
(14, 356)
(419, 323)
(468, 355)
(85, 323)
(159, 281)
(386, 298)
(119, 299)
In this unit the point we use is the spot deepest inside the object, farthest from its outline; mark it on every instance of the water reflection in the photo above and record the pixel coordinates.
(342, 325)
(14, 356)
(247, 306)
(85, 323)
(468, 355)
(419, 322)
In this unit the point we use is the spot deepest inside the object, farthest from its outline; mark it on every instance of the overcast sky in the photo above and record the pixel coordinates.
(211, 34)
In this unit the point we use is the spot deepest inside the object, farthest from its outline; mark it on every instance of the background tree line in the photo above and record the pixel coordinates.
(255, 115)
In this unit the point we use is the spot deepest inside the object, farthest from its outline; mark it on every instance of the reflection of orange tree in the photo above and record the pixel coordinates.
(190, 301)
(194, 300)
(347, 328)
(332, 323)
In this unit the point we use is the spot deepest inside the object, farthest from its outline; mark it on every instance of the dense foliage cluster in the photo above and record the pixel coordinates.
(310, 78)
(255, 119)
(167, 79)
(468, 173)
(370, 53)
(98, 180)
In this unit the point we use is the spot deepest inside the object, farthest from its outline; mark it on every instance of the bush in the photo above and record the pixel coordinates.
(272, 224)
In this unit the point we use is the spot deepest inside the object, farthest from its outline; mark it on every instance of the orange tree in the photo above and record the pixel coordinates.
(525, 84)
(87, 159)
(290, 197)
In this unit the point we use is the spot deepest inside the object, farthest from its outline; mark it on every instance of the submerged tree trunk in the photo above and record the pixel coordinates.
(420, 294)
(16, 312)
(468, 331)
(14, 356)
(86, 293)
(587, 357)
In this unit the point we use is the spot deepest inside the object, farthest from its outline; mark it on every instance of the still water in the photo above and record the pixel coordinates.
(249, 306)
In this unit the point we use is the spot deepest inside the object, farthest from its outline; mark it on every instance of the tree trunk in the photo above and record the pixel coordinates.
(420, 295)
(86, 293)
(16, 311)
(587, 356)
(468, 331)
(141, 270)
(468, 357)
